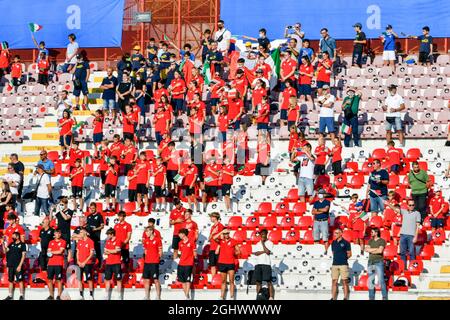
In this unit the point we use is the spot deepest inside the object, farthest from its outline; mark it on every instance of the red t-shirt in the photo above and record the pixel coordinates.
(4, 59)
(240, 84)
(293, 136)
(263, 153)
(257, 96)
(306, 69)
(43, 66)
(226, 178)
(156, 232)
(66, 127)
(129, 122)
(212, 179)
(195, 124)
(16, 70)
(160, 175)
(159, 93)
(265, 68)
(287, 66)
(321, 153)
(116, 149)
(234, 108)
(192, 227)
(98, 124)
(178, 88)
(130, 153)
(176, 214)
(111, 177)
(293, 113)
(324, 74)
(11, 229)
(77, 177)
(84, 249)
(161, 121)
(265, 108)
(172, 163)
(242, 140)
(151, 249)
(436, 204)
(187, 249)
(142, 169)
(112, 245)
(163, 147)
(190, 173)
(74, 155)
(394, 155)
(287, 93)
(56, 259)
(105, 153)
(201, 108)
(226, 254)
(215, 229)
(337, 154)
(122, 229)
(132, 183)
(222, 120)
(216, 87)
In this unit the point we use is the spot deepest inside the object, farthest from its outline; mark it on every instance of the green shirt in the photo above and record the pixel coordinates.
(354, 103)
(376, 257)
(418, 182)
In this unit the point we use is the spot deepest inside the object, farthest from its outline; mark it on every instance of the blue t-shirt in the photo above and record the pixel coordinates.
(305, 52)
(425, 42)
(376, 185)
(48, 164)
(136, 60)
(192, 56)
(109, 94)
(340, 249)
(321, 205)
(389, 42)
(81, 70)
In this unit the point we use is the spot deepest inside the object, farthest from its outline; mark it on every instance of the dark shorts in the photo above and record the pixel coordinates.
(263, 272)
(178, 104)
(215, 101)
(319, 169)
(262, 126)
(175, 242)
(77, 192)
(304, 90)
(125, 253)
(226, 267)
(87, 270)
(211, 191)
(283, 114)
(14, 275)
(97, 137)
(320, 84)
(297, 168)
(43, 79)
(54, 272)
(424, 57)
(142, 189)
(226, 189)
(184, 273)
(437, 223)
(190, 191)
(158, 192)
(110, 191)
(170, 175)
(111, 269)
(83, 89)
(68, 140)
(337, 167)
(103, 176)
(151, 271)
(213, 258)
(132, 195)
(262, 170)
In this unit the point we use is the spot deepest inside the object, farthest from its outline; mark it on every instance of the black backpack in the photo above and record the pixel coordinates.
(263, 294)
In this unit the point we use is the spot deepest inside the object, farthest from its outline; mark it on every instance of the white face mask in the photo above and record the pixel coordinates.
(320, 196)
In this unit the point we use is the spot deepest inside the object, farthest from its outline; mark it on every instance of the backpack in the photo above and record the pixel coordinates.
(251, 281)
(263, 294)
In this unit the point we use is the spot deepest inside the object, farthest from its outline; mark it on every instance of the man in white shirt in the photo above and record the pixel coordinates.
(306, 172)
(13, 180)
(63, 103)
(223, 37)
(71, 53)
(326, 115)
(393, 105)
(43, 191)
(263, 269)
(297, 34)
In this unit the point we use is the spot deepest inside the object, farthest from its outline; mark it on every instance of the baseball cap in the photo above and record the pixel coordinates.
(350, 89)
(358, 24)
(136, 47)
(215, 214)
(248, 44)
(326, 86)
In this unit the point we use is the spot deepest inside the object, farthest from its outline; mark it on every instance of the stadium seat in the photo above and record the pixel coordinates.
(415, 268)
(397, 266)
(394, 180)
(216, 282)
(357, 181)
(341, 222)
(299, 209)
(385, 235)
(307, 237)
(376, 222)
(340, 181)
(305, 222)
(252, 223)
(264, 209)
(379, 154)
(348, 235)
(240, 236)
(269, 223)
(292, 195)
(255, 237)
(235, 222)
(427, 252)
(275, 236)
(362, 283)
(246, 250)
(292, 237)
(390, 251)
(438, 236)
(413, 154)
(281, 209)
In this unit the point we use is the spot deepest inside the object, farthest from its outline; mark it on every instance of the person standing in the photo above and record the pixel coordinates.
(216, 228)
(388, 39)
(95, 224)
(358, 45)
(43, 191)
(112, 252)
(327, 44)
(393, 105)
(227, 250)
(85, 260)
(426, 46)
(15, 256)
(326, 116)
(306, 171)
(375, 266)
(109, 85)
(64, 217)
(152, 255)
(123, 234)
(321, 212)
(342, 251)
(46, 234)
(377, 189)
(55, 252)
(223, 37)
(188, 254)
(263, 270)
(81, 73)
(71, 53)
(419, 182)
(13, 179)
(297, 34)
(350, 107)
(19, 168)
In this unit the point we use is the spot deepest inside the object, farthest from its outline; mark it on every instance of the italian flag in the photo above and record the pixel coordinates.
(207, 72)
(347, 130)
(364, 216)
(88, 160)
(4, 45)
(34, 27)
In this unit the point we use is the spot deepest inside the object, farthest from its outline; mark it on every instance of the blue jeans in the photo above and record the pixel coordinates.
(378, 270)
(406, 244)
(352, 123)
(41, 203)
(376, 204)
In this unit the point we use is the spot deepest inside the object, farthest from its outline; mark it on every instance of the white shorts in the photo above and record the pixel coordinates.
(389, 55)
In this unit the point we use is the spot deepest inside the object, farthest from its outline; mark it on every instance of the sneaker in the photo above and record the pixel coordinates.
(157, 298)
(105, 297)
(8, 298)
(145, 298)
(58, 298)
(50, 298)
(21, 298)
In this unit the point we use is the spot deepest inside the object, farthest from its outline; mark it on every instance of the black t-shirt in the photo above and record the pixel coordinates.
(94, 221)
(124, 87)
(215, 56)
(264, 42)
(14, 254)
(358, 47)
(46, 236)
(64, 225)
(152, 52)
(205, 49)
(19, 167)
(340, 249)
(81, 70)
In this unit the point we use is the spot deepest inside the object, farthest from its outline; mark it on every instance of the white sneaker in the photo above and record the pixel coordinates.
(157, 298)
(145, 298)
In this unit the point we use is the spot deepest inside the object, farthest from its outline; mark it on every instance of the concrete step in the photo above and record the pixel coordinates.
(445, 269)
(24, 158)
(38, 148)
(441, 285)
(45, 136)
(432, 298)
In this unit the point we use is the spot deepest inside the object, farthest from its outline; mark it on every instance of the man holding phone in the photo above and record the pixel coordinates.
(296, 33)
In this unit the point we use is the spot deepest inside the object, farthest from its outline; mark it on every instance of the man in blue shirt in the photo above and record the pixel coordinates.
(81, 73)
(320, 211)
(327, 43)
(49, 167)
(306, 50)
(109, 84)
(377, 190)
(342, 251)
(426, 46)
(388, 40)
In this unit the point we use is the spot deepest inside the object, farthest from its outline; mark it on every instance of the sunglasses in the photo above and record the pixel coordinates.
(411, 205)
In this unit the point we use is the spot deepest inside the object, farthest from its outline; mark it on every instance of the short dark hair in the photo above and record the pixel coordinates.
(121, 213)
(377, 230)
(306, 40)
(184, 231)
(72, 36)
(263, 30)
(207, 31)
(152, 220)
(426, 28)
(187, 45)
(152, 39)
(111, 231)
(221, 21)
(11, 217)
(324, 29)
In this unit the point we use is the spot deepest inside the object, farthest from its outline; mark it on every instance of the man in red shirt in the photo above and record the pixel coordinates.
(228, 172)
(75, 153)
(190, 173)
(235, 111)
(130, 122)
(161, 122)
(176, 220)
(240, 83)
(142, 169)
(190, 225)
(116, 148)
(132, 177)
(13, 226)
(112, 251)
(293, 112)
(177, 89)
(56, 250)
(151, 224)
(438, 209)
(85, 260)
(288, 66)
(77, 180)
(212, 175)
(227, 250)
(216, 228)
(112, 177)
(321, 152)
(123, 234)
(128, 155)
(173, 163)
(306, 74)
(152, 256)
(394, 156)
(324, 69)
(159, 183)
(188, 253)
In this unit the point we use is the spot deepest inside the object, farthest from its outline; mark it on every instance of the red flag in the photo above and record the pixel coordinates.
(234, 56)
(249, 75)
(187, 70)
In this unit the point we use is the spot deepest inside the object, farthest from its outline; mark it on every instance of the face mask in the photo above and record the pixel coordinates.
(61, 206)
(261, 35)
(138, 78)
(320, 196)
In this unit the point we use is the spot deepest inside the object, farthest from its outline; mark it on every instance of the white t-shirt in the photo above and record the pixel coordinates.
(327, 112)
(61, 107)
(71, 49)
(222, 45)
(306, 169)
(393, 102)
(14, 177)
(42, 189)
(263, 258)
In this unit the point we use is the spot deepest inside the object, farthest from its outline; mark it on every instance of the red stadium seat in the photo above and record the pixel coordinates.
(264, 209)
(438, 236)
(200, 281)
(299, 208)
(205, 251)
(245, 250)
(413, 154)
(386, 235)
(376, 222)
(252, 222)
(400, 193)
(305, 222)
(307, 237)
(240, 236)
(216, 282)
(33, 237)
(348, 235)
(390, 251)
(281, 209)
(292, 237)
(341, 222)
(53, 155)
(405, 277)
(405, 168)
(235, 222)
(379, 154)
(357, 181)
(367, 167)
(396, 231)
(426, 224)
(269, 223)
(351, 167)
(427, 252)
(397, 266)
(292, 195)
(129, 207)
(255, 237)
(275, 236)
(362, 283)
(340, 181)
(288, 223)
(389, 217)
(415, 268)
